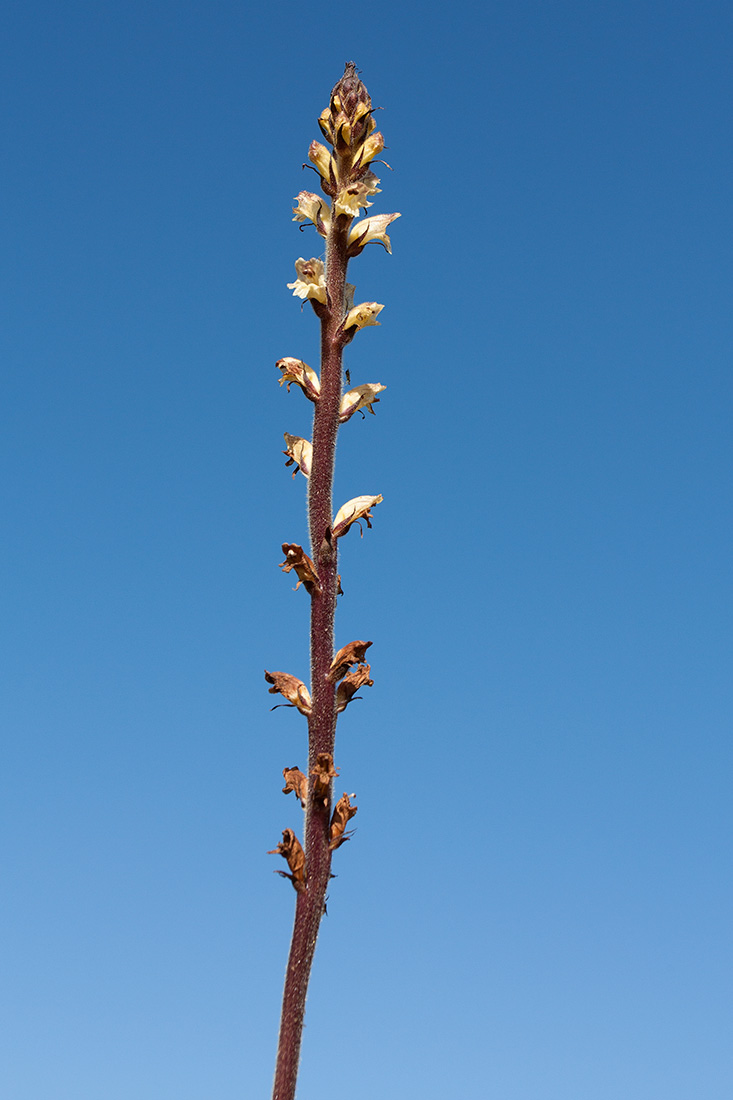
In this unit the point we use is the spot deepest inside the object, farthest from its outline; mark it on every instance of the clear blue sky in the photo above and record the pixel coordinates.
(537, 902)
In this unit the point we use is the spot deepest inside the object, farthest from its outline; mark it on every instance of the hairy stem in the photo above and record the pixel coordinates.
(311, 900)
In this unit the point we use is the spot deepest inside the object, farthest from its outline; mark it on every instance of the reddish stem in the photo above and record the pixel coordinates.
(311, 901)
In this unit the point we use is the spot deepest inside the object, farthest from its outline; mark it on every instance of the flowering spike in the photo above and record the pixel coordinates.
(344, 165)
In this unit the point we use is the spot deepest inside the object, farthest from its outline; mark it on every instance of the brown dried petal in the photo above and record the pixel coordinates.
(293, 689)
(290, 849)
(351, 654)
(347, 689)
(342, 815)
(296, 782)
(297, 559)
(323, 772)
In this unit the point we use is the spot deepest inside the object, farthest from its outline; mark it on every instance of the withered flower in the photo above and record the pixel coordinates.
(356, 509)
(299, 452)
(352, 681)
(295, 370)
(289, 848)
(323, 771)
(352, 654)
(296, 782)
(342, 814)
(361, 397)
(293, 689)
(297, 559)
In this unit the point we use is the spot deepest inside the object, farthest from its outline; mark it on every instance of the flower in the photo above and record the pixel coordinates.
(295, 370)
(342, 815)
(323, 772)
(293, 689)
(297, 559)
(370, 229)
(311, 281)
(354, 510)
(296, 782)
(371, 148)
(347, 656)
(353, 197)
(362, 315)
(299, 452)
(350, 684)
(320, 157)
(290, 849)
(361, 397)
(314, 209)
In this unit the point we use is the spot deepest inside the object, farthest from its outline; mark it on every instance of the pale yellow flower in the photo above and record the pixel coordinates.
(350, 200)
(354, 510)
(320, 157)
(299, 452)
(370, 229)
(361, 397)
(314, 209)
(295, 370)
(362, 315)
(311, 281)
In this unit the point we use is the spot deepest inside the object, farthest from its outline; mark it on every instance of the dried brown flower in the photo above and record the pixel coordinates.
(290, 849)
(348, 655)
(293, 689)
(342, 814)
(297, 559)
(296, 782)
(323, 771)
(352, 681)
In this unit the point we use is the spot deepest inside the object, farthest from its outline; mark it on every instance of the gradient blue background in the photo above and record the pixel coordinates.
(537, 902)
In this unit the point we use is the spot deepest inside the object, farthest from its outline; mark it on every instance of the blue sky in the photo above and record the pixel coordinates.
(536, 904)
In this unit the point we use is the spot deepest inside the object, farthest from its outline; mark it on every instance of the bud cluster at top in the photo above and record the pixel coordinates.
(348, 126)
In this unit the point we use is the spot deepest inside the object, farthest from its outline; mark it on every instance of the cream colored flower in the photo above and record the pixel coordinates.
(314, 209)
(354, 510)
(311, 281)
(299, 452)
(362, 315)
(320, 157)
(295, 370)
(370, 229)
(371, 148)
(361, 397)
(351, 199)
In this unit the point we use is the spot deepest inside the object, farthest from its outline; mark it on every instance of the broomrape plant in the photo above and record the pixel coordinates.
(348, 182)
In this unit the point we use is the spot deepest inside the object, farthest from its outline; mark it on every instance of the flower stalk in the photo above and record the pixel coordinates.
(348, 181)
